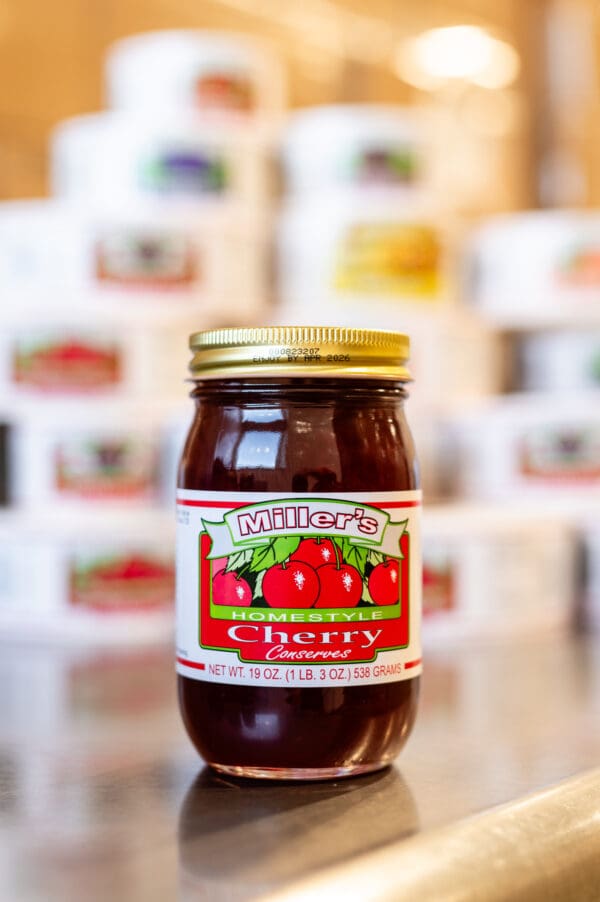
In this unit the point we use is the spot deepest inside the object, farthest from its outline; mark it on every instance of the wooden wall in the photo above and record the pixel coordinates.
(51, 59)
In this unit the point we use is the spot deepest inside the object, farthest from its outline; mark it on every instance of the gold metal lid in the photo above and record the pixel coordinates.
(289, 351)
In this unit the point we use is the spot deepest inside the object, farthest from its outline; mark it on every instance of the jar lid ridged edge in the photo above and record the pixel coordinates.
(324, 351)
(284, 335)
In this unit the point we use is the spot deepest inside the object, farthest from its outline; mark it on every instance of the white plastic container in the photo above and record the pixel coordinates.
(353, 250)
(87, 456)
(175, 159)
(454, 357)
(218, 72)
(537, 269)
(527, 447)
(65, 356)
(353, 146)
(87, 578)
(591, 592)
(561, 361)
(490, 573)
(131, 258)
(4, 455)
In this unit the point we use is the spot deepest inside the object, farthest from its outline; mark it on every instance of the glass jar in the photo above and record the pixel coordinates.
(299, 571)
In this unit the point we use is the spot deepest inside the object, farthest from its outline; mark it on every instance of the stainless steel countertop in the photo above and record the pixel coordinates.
(102, 797)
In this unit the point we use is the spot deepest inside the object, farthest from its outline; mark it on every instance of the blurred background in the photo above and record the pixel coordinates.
(169, 167)
(533, 102)
(172, 166)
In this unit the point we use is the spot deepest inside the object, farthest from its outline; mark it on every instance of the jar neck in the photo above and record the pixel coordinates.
(299, 390)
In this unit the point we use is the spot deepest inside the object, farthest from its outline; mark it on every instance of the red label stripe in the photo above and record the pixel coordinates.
(188, 502)
(410, 664)
(195, 664)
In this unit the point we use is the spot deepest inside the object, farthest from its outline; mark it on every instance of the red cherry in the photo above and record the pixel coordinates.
(317, 554)
(295, 585)
(231, 589)
(340, 587)
(384, 583)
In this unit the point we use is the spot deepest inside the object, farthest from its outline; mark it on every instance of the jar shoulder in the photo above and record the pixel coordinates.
(299, 448)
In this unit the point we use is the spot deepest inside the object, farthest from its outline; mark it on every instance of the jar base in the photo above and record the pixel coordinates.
(298, 773)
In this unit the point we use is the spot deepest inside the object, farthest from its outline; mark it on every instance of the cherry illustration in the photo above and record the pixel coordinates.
(341, 586)
(292, 585)
(231, 589)
(384, 582)
(316, 552)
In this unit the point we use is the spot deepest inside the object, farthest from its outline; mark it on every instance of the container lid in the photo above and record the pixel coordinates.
(300, 351)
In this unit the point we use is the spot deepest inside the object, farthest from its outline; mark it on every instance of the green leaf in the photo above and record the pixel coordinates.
(355, 555)
(285, 547)
(258, 587)
(237, 560)
(375, 557)
(275, 552)
(345, 546)
(263, 557)
(365, 594)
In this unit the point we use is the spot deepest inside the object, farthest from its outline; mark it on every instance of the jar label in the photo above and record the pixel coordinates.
(274, 590)
(398, 259)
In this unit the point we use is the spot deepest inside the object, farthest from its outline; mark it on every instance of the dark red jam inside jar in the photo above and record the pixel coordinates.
(298, 650)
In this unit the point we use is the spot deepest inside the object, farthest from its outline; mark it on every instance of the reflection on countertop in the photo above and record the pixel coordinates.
(100, 789)
(228, 828)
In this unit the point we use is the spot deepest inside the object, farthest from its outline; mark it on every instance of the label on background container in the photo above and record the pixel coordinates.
(184, 171)
(68, 364)
(561, 454)
(224, 91)
(439, 582)
(401, 259)
(580, 267)
(105, 467)
(384, 165)
(318, 590)
(120, 580)
(144, 259)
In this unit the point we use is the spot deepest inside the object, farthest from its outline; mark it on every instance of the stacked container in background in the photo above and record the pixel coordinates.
(159, 227)
(538, 270)
(489, 573)
(536, 278)
(358, 228)
(363, 241)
